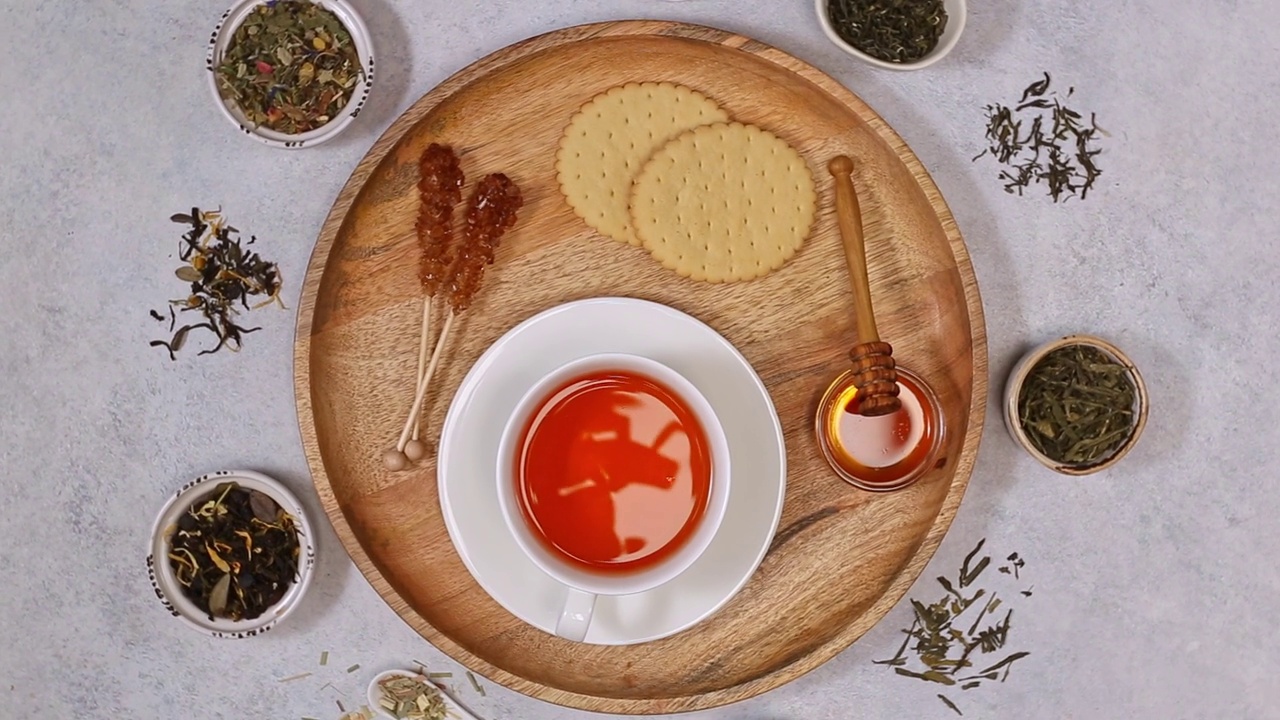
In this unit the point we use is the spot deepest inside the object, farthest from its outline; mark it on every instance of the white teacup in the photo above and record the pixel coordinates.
(584, 586)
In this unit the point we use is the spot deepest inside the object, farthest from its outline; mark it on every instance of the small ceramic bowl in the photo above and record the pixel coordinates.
(221, 40)
(1019, 375)
(956, 14)
(165, 583)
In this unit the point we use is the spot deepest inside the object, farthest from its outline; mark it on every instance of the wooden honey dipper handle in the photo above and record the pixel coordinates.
(874, 372)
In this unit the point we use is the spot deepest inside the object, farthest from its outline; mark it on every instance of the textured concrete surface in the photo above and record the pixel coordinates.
(1155, 584)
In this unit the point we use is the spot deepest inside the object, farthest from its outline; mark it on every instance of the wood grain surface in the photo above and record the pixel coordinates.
(841, 558)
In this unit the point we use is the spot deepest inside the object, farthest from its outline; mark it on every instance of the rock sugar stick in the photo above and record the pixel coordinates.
(440, 180)
(491, 211)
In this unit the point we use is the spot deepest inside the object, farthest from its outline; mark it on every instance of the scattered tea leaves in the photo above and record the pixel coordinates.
(943, 652)
(324, 658)
(222, 274)
(291, 67)
(353, 668)
(439, 675)
(1055, 149)
(291, 678)
(896, 31)
(1077, 405)
(227, 561)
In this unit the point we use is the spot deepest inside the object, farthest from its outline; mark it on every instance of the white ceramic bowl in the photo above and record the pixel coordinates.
(1013, 387)
(221, 39)
(165, 583)
(956, 15)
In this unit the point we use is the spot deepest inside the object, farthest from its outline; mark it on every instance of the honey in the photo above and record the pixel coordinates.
(880, 453)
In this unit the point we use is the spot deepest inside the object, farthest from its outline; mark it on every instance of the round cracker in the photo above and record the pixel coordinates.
(609, 139)
(724, 203)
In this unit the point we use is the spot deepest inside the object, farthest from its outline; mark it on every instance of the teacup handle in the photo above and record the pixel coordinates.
(575, 618)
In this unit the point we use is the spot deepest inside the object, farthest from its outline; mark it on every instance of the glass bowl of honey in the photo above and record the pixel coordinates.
(882, 453)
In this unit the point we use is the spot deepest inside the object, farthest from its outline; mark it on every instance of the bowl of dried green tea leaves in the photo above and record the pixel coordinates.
(231, 553)
(1076, 404)
(893, 34)
(290, 73)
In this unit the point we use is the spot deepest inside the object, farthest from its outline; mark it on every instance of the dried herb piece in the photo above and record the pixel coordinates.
(939, 645)
(230, 563)
(476, 684)
(411, 698)
(896, 31)
(1077, 405)
(1056, 148)
(291, 67)
(223, 277)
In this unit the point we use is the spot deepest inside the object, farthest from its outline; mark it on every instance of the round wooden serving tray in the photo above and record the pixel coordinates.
(841, 558)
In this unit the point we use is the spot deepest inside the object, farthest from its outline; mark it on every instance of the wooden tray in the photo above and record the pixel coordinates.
(841, 559)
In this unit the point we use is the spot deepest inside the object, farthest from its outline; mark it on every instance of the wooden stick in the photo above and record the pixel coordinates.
(875, 373)
(849, 217)
(426, 382)
(423, 342)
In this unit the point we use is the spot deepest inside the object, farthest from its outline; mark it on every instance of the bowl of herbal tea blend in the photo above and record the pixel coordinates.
(290, 73)
(231, 554)
(1076, 404)
(893, 34)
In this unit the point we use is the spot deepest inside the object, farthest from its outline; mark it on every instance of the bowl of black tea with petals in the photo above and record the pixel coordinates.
(1076, 404)
(893, 34)
(231, 553)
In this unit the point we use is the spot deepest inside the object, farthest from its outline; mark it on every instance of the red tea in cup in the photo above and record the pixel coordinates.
(613, 472)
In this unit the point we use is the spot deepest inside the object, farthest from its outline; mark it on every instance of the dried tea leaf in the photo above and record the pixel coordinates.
(949, 704)
(896, 31)
(287, 64)
(411, 698)
(229, 563)
(217, 559)
(265, 509)
(1007, 661)
(218, 597)
(1076, 406)
(222, 275)
(936, 641)
(1055, 150)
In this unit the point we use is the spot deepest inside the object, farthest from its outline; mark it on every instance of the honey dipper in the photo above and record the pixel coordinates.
(874, 373)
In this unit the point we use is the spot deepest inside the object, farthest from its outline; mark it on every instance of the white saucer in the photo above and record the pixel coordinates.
(544, 342)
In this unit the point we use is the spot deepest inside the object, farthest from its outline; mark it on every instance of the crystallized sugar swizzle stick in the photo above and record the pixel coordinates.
(439, 189)
(490, 213)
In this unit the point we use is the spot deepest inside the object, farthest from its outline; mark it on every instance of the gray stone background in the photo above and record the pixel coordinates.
(1155, 584)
